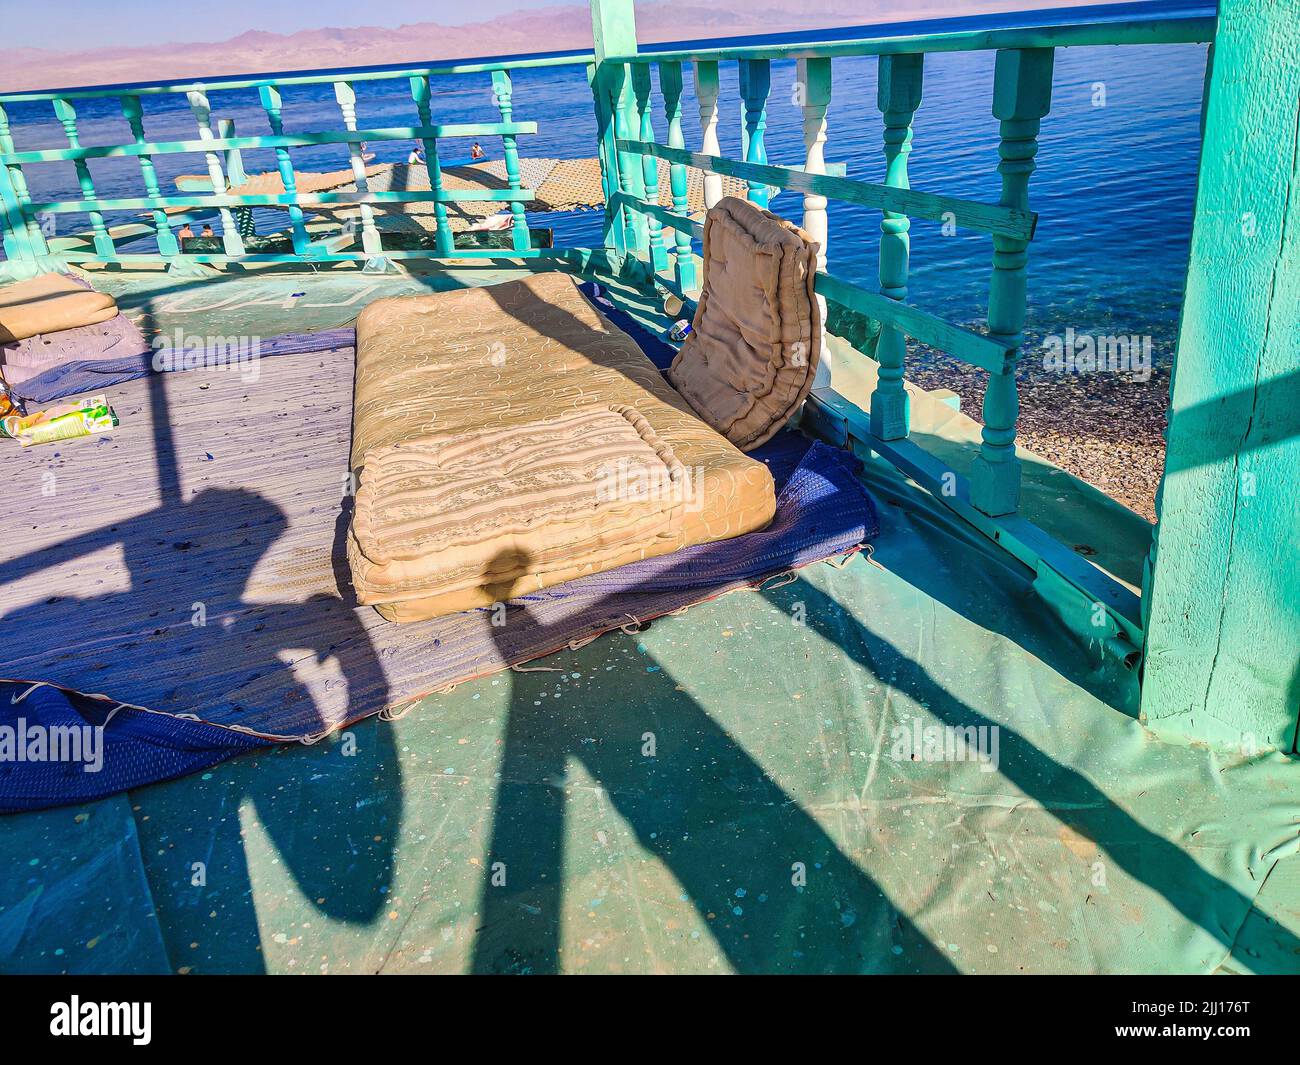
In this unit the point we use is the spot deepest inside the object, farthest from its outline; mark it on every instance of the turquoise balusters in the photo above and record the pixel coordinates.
(134, 115)
(649, 164)
(631, 179)
(898, 97)
(814, 76)
(503, 91)
(67, 116)
(24, 232)
(670, 85)
(236, 175)
(444, 241)
(230, 239)
(346, 96)
(706, 94)
(612, 236)
(273, 105)
(755, 84)
(1022, 95)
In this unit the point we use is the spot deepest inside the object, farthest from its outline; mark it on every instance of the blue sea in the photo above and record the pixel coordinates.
(1114, 188)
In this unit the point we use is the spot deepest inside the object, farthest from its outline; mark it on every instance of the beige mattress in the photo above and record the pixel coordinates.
(49, 303)
(509, 438)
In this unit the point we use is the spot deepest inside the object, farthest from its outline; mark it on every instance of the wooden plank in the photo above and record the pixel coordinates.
(965, 344)
(1222, 590)
(970, 214)
(1153, 29)
(297, 140)
(681, 223)
(282, 199)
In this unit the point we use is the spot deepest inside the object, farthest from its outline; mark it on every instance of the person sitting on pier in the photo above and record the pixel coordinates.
(416, 158)
(185, 232)
(207, 230)
(477, 151)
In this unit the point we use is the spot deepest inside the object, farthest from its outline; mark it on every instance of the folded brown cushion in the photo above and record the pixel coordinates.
(752, 353)
(47, 304)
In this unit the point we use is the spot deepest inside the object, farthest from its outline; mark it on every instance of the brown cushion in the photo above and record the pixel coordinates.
(49, 303)
(756, 339)
(487, 396)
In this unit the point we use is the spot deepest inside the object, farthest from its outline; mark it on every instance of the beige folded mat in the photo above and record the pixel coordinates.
(756, 339)
(49, 303)
(510, 438)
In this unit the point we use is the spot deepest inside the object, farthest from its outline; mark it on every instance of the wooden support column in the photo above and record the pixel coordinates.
(273, 105)
(649, 164)
(706, 94)
(814, 75)
(230, 239)
(67, 116)
(443, 240)
(1221, 597)
(1022, 95)
(503, 91)
(898, 95)
(755, 84)
(613, 29)
(670, 85)
(134, 115)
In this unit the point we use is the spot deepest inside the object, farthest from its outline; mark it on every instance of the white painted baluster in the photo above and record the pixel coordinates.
(230, 239)
(346, 96)
(706, 91)
(814, 75)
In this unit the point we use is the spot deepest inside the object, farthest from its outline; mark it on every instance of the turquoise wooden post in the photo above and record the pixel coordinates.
(898, 95)
(1222, 598)
(670, 85)
(134, 115)
(707, 88)
(1022, 95)
(444, 242)
(25, 234)
(13, 227)
(67, 116)
(755, 84)
(613, 32)
(346, 96)
(273, 105)
(230, 239)
(649, 164)
(504, 92)
(631, 178)
(612, 233)
(814, 76)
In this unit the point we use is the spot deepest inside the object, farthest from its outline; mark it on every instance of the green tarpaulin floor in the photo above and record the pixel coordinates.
(728, 790)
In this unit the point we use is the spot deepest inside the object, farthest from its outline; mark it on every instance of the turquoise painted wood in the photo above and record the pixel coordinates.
(503, 92)
(421, 93)
(273, 105)
(755, 85)
(1222, 592)
(134, 115)
(649, 165)
(67, 116)
(1022, 95)
(670, 84)
(21, 230)
(898, 96)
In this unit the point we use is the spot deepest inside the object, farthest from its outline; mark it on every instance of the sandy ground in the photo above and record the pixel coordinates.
(1104, 428)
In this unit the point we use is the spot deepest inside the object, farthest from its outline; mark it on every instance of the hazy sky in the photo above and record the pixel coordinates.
(99, 23)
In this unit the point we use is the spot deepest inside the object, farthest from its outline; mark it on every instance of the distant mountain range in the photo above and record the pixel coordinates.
(538, 30)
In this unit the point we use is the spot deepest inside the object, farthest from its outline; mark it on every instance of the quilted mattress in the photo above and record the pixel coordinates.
(509, 438)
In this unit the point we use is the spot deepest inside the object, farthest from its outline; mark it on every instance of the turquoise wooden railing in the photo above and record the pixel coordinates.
(640, 232)
(20, 214)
